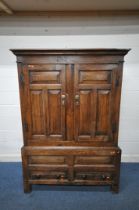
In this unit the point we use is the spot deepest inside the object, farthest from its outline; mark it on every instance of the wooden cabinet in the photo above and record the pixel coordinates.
(70, 103)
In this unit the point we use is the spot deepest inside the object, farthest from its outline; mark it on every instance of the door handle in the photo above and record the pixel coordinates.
(77, 99)
(63, 99)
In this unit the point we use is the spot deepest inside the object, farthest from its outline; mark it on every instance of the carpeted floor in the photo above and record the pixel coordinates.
(68, 197)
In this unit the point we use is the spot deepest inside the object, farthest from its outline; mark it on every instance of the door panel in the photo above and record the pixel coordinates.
(54, 112)
(85, 115)
(46, 87)
(93, 106)
(44, 77)
(38, 126)
(103, 111)
(94, 77)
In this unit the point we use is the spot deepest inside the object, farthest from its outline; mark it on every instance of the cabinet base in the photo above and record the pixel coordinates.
(94, 166)
(27, 187)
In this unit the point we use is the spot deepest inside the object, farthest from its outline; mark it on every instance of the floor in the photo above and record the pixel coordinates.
(68, 197)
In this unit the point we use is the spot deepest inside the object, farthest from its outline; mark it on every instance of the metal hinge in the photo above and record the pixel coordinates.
(21, 79)
(25, 126)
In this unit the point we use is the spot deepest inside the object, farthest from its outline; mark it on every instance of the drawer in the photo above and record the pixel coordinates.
(94, 176)
(48, 167)
(48, 175)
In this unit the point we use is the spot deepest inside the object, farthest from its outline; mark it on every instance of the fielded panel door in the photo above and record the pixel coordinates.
(94, 102)
(43, 99)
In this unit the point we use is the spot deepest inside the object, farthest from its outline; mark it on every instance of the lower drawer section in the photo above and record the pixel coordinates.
(94, 176)
(47, 175)
(77, 165)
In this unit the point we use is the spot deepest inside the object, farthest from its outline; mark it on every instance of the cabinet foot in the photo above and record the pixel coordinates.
(27, 187)
(115, 188)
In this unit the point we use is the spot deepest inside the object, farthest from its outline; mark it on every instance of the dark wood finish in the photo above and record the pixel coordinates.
(70, 103)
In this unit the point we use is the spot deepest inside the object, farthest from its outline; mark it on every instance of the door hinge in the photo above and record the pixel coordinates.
(21, 79)
(25, 126)
(114, 127)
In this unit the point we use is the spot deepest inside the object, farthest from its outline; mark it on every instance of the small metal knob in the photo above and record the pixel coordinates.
(38, 176)
(113, 152)
(108, 177)
(103, 177)
(84, 176)
(30, 66)
(58, 176)
(62, 177)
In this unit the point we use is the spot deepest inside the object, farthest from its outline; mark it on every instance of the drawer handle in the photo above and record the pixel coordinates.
(103, 177)
(37, 176)
(108, 177)
(60, 176)
(84, 176)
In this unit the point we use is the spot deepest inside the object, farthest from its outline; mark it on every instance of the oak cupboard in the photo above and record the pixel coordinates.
(70, 102)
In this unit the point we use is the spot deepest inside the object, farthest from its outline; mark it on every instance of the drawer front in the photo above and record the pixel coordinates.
(94, 166)
(58, 175)
(47, 167)
(93, 176)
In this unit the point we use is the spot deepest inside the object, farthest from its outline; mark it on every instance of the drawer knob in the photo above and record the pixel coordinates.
(38, 176)
(108, 177)
(113, 152)
(30, 66)
(58, 176)
(84, 176)
(62, 177)
(103, 177)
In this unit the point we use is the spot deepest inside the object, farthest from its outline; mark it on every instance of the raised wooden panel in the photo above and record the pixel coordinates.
(94, 77)
(54, 112)
(93, 115)
(84, 113)
(37, 113)
(89, 160)
(44, 77)
(103, 112)
(43, 159)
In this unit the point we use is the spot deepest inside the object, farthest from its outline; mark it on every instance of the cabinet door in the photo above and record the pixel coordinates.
(93, 102)
(44, 102)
